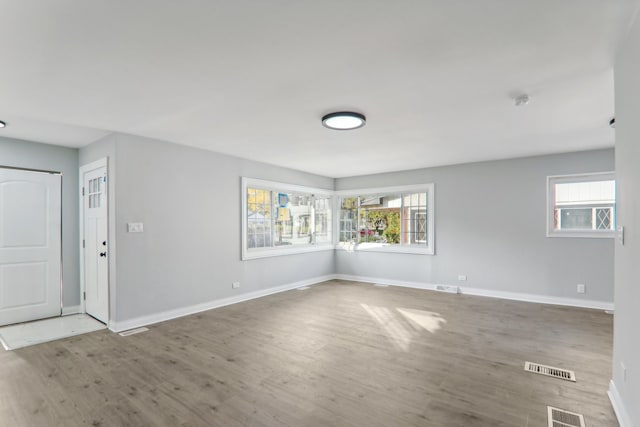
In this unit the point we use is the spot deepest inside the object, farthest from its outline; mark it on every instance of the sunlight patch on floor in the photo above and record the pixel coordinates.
(423, 319)
(402, 327)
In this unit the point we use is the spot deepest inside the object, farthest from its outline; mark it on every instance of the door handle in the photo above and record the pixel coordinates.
(104, 254)
(104, 243)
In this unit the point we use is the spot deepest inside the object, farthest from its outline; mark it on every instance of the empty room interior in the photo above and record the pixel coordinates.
(354, 213)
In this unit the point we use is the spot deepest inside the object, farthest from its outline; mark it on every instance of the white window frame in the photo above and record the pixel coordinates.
(551, 197)
(425, 249)
(254, 253)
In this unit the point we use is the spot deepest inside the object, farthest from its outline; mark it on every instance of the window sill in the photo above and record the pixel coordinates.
(248, 254)
(583, 234)
(397, 249)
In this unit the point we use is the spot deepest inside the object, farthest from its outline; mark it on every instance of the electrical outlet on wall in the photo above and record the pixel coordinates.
(235, 285)
(462, 277)
(581, 288)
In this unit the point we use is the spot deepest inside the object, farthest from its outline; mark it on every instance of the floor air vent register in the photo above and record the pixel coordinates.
(550, 371)
(133, 331)
(561, 418)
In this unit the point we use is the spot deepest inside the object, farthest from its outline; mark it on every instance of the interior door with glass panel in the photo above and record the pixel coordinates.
(30, 245)
(95, 246)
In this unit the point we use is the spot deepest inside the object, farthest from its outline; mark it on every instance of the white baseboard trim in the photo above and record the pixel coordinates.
(389, 282)
(119, 326)
(72, 309)
(618, 407)
(541, 299)
(197, 308)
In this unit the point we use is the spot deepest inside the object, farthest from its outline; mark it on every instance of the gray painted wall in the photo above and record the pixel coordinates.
(189, 201)
(626, 346)
(31, 155)
(490, 224)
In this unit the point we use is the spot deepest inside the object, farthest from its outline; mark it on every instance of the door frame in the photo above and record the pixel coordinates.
(104, 162)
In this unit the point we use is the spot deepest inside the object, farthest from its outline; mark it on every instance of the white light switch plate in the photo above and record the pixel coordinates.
(135, 227)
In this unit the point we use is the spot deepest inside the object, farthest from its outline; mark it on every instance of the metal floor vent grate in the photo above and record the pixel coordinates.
(133, 331)
(381, 285)
(550, 371)
(447, 288)
(561, 418)
(302, 288)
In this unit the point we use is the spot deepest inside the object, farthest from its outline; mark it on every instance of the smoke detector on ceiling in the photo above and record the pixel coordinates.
(521, 100)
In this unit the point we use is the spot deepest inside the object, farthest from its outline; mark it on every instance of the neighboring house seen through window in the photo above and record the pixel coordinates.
(582, 205)
(281, 219)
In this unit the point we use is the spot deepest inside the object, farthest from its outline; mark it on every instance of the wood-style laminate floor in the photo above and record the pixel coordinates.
(338, 354)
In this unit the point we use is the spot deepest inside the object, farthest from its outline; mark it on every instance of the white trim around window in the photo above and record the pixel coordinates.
(282, 188)
(425, 247)
(589, 209)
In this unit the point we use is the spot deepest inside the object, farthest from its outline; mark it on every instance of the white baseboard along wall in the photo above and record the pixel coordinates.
(618, 406)
(119, 326)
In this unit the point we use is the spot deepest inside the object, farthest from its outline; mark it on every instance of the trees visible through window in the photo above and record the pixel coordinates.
(390, 220)
(284, 219)
(259, 223)
(278, 217)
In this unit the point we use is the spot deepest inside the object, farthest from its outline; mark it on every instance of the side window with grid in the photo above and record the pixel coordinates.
(348, 219)
(415, 214)
(259, 225)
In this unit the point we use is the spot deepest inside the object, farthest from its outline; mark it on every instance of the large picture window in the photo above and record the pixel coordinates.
(581, 205)
(398, 219)
(283, 219)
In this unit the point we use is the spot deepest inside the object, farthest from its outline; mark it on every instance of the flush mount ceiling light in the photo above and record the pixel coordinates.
(343, 120)
(2, 124)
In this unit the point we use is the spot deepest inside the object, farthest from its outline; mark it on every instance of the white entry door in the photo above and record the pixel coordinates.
(95, 248)
(30, 254)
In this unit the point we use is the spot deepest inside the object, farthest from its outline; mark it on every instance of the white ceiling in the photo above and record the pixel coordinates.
(436, 79)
